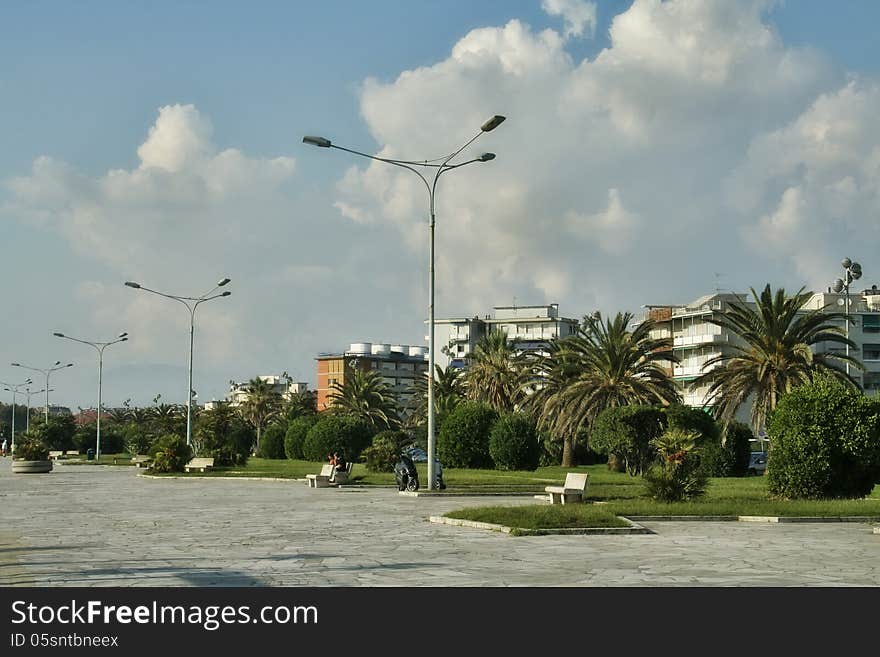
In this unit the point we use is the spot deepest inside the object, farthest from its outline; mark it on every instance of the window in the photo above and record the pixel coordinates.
(871, 323)
(872, 381)
(870, 351)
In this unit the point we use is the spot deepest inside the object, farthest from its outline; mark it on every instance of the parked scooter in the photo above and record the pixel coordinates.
(406, 475)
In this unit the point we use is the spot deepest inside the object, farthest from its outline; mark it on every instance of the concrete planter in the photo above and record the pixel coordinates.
(31, 467)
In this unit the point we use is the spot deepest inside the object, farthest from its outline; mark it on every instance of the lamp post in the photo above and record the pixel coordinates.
(28, 393)
(191, 304)
(99, 347)
(13, 388)
(57, 366)
(438, 170)
(852, 271)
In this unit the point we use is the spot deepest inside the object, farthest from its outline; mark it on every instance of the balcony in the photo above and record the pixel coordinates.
(700, 339)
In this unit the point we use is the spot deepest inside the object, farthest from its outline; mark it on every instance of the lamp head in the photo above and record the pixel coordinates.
(122, 335)
(493, 123)
(58, 335)
(846, 262)
(837, 286)
(317, 141)
(223, 282)
(856, 270)
(226, 293)
(136, 286)
(125, 339)
(16, 364)
(57, 362)
(486, 157)
(69, 365)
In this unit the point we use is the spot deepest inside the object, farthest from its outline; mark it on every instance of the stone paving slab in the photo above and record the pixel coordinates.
(105, 526)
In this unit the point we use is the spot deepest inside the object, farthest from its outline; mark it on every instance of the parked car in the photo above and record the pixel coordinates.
(758, 463)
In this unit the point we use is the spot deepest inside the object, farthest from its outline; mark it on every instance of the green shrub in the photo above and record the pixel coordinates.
(627, 432)
(170, 454)
(297, 430)
(678, 475)
(86, 438)
(30, 447)
(272, 442)
(464, 438)
(824, 442)
(513, 443)
(336, 433)
(58, 433)
(695, 421)
(137, 440)
(384, 453)
(731, 459)
(223, 435)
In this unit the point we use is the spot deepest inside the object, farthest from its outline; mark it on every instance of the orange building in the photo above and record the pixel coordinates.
(399, 365)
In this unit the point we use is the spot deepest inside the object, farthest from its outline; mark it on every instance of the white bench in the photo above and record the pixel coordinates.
(571, 491)
(341, 476)
(200, 464)
(55, 454)
(321, 480)
(141, 460)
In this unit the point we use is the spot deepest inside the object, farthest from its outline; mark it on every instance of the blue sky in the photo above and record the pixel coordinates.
(82, 83)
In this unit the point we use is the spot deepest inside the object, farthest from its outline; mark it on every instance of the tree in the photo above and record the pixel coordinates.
(493, 374)
(776, 355)
(261, 405)
(604, 365)
(168, 418)
(448, 393)
(365, 395)
(300, 404)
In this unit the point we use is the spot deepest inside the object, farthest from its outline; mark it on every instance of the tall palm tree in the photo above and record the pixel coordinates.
(603, 365)
(365, 395)
(494, 371)
(261, 405)
(168, 418)
(776, 356)
(448, 392)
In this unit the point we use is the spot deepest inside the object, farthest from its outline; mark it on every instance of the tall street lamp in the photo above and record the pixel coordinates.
(57, 366)
(13, 388)
(438, 170)
(191, 304)
(852, 271)
(29, 393)
(99, 347)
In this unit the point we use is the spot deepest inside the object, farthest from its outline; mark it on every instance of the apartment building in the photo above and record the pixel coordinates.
(281, 385)
(400, 366)
(530, 327)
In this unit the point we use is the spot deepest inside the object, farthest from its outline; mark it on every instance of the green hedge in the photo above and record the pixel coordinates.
(626, 432)
(295, 438)
(336, 433)
(272, 442)
(514, 443)
(464, 439)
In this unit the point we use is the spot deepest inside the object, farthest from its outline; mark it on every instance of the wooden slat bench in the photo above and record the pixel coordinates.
(321, 480)
(199, 464)
(141, 460)
(571, 491)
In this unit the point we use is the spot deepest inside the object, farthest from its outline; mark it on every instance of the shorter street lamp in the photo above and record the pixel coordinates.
(29, 393)
(191, 304)
(57, 366)
(99, 347)
(852, 271)
(13, 388)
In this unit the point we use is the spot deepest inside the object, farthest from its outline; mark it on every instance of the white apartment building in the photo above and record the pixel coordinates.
(238, 392)
(530, 327)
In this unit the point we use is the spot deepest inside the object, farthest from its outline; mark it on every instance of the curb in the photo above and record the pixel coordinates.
(288, 479)
(416, 493)
(759, 519)
(634, 528)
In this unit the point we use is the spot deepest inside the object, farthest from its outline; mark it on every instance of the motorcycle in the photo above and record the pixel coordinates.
(408, 478)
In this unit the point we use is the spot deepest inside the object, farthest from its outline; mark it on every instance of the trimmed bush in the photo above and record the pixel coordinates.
(272, 442)
(170, 454)
(137, 440)
(384, 453)
(678, 475)
(58, 433)
(86, 438)
(627, 432)
(336, 433)
(824, 442)
(514, 443)
(731, 459)
(693, 420)
(297, 430)
(464, 439)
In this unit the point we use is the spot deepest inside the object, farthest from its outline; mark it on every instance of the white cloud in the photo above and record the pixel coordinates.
(578, 15)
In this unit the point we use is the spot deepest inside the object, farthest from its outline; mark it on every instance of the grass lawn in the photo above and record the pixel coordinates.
(542, 517)
(106, 459)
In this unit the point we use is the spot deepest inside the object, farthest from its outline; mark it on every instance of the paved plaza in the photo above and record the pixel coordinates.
(106, 526)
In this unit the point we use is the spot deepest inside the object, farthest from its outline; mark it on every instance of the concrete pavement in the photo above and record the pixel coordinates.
(105, 526)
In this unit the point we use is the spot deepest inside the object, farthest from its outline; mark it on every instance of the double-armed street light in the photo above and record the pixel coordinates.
(30, 393)
(191, 304)
(99, 347)
(852, 271)
(13, 388)
(439, 167)
(57, 366)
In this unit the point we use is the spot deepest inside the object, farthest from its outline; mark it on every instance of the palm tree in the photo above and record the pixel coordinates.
(365, 395)
(494, 371)
(448, 392)
(776, 356)
(603, 365)
(168, 418)
(261, 405)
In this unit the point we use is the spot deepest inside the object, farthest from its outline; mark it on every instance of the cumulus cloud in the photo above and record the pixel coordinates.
(579, 15)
